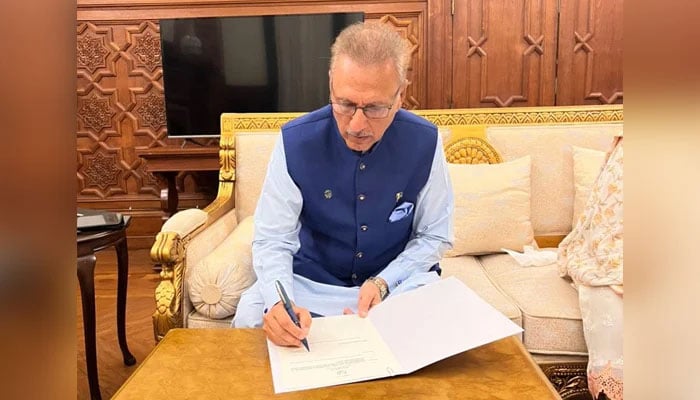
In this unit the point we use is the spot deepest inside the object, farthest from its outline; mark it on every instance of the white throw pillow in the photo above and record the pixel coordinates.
(216, 282)
(587, 166)
(492, 207)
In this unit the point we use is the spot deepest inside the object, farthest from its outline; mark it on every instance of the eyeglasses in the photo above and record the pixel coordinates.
(371, 111)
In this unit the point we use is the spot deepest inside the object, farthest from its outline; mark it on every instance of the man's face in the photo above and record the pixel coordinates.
(375, 87)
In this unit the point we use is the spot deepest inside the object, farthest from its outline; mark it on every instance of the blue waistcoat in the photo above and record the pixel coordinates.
(346, 235)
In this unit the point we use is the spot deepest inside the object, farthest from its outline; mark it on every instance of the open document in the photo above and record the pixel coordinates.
(400, 335)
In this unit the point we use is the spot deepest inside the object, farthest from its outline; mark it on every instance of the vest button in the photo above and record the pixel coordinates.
(361, 197)
(359, 254)
(362, 166)
(354, 277)
(363, 228)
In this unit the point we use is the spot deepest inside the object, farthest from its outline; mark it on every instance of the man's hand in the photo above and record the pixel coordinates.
(280, 329)
(369, 297)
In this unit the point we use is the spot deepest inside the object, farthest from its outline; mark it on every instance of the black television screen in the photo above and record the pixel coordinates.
(274, 63)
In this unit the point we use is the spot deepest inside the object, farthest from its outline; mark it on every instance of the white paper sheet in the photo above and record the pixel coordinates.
(400, 335)
(344, 349)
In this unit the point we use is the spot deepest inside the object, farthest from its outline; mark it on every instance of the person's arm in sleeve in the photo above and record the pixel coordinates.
(432, 225)
(275, 241)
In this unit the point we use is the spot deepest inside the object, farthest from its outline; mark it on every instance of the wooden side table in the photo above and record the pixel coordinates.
(168, 161)
(88, 244)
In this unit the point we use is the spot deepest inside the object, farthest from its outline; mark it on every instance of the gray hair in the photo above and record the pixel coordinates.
(371, 43)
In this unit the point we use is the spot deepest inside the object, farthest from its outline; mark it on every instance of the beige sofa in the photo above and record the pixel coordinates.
(534, 165)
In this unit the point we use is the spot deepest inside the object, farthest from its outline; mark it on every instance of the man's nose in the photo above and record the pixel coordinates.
(358, 122)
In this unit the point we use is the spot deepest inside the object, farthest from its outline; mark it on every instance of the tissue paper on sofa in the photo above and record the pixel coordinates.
(533, 258)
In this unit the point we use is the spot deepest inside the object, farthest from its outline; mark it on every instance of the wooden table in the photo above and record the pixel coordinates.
(168, 161)
(234, 364)
(88, 244)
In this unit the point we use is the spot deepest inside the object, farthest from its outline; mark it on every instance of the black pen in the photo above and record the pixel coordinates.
(288, 306)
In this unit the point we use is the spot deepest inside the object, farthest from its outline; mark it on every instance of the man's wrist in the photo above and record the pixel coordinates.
(381, 285)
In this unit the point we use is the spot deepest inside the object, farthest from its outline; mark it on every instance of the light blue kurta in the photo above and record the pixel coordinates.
(277, 239)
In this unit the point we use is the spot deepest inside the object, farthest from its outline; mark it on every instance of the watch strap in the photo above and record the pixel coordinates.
(381, 284)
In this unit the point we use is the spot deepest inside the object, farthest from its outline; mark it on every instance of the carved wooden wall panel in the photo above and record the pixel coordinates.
(116, 81)
(120, 108)
(590, 52)
(439, 54)
(410, 26)
(504, 53)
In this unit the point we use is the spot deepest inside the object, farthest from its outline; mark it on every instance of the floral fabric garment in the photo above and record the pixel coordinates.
(592, 253)
(592, 256)
(601, 311)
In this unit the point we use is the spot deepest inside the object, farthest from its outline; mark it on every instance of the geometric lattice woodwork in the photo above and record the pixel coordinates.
(590, 53)
(504, 53)
(407, 24)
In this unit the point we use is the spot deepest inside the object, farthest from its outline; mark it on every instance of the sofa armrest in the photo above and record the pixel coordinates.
(171, 248)
(185, 222)
(168, 251)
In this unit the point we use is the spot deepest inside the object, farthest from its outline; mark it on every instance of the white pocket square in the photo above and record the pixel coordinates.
(402, 211)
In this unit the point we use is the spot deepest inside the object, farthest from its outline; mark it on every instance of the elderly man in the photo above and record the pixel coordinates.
(357, 202)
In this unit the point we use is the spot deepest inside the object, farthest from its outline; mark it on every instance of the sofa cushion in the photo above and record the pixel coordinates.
(552, 165)
(203, 243)
(215, 283)
(549, 304)
(469, 270)
(587, 166)
(253, 151)
(492, 207)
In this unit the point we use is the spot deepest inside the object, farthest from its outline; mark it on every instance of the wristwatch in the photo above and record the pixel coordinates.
(381, 284)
